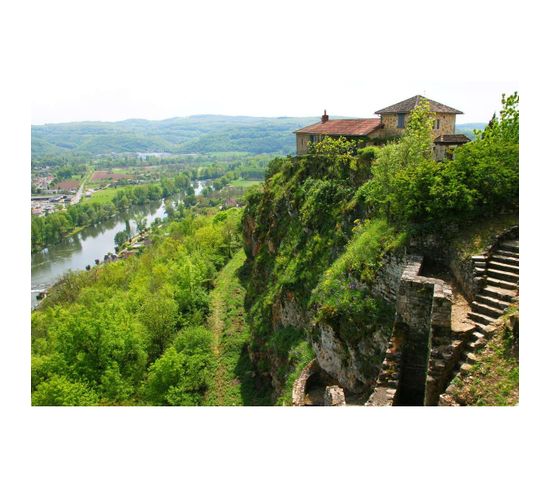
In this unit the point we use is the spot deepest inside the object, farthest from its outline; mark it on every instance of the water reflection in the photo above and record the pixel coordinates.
(92, 243)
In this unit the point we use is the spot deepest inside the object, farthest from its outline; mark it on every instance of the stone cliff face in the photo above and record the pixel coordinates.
(355, 361)
(349, 353)
(354, 365)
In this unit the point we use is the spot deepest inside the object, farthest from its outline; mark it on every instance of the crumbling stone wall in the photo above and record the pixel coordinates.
(299, 387)
(334, 396)
(423, 316)
(424, 305)
(386, 283)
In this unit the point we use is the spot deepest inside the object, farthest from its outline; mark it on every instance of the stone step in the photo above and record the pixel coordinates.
(471, 358)
(502, 294)
(485, 309)
(509, 246)
(480, 318)
(503, 275)
(510, 254)
(486, 330)
(492, 301)
(512, 268)
(501, 258)
(465, 368)
(478, 335)
(475, 345)
(501, 284)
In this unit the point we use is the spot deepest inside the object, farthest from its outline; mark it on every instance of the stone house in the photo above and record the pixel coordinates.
(391, 123)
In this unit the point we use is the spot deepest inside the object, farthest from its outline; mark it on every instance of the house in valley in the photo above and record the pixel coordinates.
(390, 124)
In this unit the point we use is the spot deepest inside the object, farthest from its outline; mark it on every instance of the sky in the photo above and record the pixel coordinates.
(117, 60)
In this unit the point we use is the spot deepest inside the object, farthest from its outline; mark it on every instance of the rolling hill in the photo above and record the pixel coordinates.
(194, 134)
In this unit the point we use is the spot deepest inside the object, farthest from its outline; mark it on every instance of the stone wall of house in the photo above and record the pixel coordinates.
(446, 124)
(390, 129)
(302, 141)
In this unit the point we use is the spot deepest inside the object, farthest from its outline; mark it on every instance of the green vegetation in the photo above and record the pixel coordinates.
(190, 321)
(244, 183)
(195, 134)
(410, 189)
(102, 196)
(54, 227)
(343, 298)
(494, 378)
(319, 228)
(479, 235)
(134, 331)
(181, 135)
(303, 218)
(233, 382)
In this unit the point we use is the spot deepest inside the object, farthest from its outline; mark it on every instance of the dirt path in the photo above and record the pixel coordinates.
(225, 287)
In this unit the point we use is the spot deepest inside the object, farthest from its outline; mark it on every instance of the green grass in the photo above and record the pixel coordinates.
(479, 235)
(233, 382)
(245, 183)
(101, 196)
(494, 378)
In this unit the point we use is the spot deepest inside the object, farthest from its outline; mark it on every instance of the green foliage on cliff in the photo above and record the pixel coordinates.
(318, 230)
(302, 221)
(343, 296)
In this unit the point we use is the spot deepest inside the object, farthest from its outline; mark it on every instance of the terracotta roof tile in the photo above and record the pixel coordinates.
(342, 127)
(408, 105)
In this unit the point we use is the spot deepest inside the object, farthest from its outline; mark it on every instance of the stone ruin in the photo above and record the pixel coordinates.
(334, 396)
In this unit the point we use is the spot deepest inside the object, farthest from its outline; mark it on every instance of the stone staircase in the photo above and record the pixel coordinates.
(501, 287)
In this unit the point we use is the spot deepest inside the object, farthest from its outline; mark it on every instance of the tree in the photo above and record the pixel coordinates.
(141, 222)
(121, 237)
(60, 391)
(158, 312)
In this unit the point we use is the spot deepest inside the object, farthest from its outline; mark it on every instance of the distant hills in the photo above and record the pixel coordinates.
(468, 129)
(194, 134)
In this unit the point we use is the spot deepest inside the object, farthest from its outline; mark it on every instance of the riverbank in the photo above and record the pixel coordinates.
(83, 247)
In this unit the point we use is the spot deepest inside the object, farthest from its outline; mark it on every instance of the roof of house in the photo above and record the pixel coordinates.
(452, 139)
(342, 127)
(408, 105)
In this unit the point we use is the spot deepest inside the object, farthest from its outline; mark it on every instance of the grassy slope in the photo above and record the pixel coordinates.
(478, 235)
(494, 378)
(233, 383)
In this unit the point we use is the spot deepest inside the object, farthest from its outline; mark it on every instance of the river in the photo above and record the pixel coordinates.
(94, 242)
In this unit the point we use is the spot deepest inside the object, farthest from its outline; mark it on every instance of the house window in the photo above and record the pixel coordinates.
(400, 121)
(437, 124)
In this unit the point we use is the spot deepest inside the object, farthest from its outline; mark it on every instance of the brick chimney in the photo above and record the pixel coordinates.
(324, 117)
